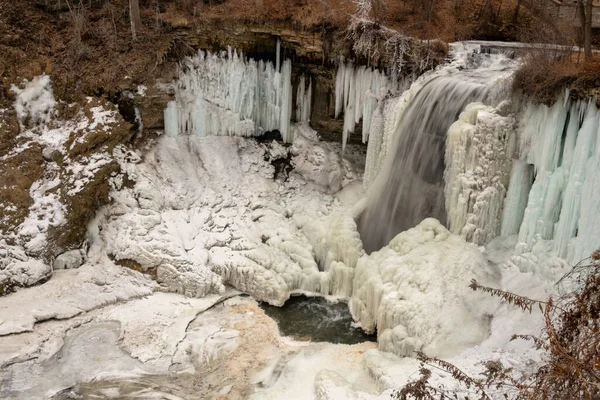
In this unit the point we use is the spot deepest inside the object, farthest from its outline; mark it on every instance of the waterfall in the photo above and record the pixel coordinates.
(410, 186)
(456, 148)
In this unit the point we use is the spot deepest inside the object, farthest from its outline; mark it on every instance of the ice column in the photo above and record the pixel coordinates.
(516, 199)
(303, 100)
(478, 160)
(286, 101)
(171, 124)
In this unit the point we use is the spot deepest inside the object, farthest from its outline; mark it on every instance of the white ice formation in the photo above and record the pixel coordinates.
(274, 220)
(415, 292)
(479, 153)
(226, 94)
(207, 211)
(303, 100)
(358, 90)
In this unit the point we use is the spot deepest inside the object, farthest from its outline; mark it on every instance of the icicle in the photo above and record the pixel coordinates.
(303, 100)
(357, 91)
(286, 102)
(225, 94)
(516, 198)
(307, 103)
(339, 88)
(278, 56)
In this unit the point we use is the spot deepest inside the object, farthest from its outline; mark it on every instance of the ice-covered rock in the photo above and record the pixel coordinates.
(415, 292)
(189, 282)
(69, 260)
(207, 211)
(70, 293)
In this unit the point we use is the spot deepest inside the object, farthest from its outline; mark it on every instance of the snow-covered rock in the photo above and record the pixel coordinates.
(209, 211)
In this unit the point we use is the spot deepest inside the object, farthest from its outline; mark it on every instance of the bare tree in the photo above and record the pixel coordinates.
(134, 16)
(586, 9)
(515, 17)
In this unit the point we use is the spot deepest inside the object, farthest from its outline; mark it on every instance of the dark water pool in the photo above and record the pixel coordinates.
(316, 319)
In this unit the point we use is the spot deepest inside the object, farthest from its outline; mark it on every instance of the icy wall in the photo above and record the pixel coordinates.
(562, 145)
(226, 94)
(533, 173)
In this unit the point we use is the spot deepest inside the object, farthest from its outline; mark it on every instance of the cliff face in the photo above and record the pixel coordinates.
(313, 56)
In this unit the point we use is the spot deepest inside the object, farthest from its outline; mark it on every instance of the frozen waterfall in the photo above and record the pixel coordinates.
(562, 145)
(227, 94)
(455, 148)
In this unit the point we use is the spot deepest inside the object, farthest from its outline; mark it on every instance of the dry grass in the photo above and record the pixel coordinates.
(545, 75)
(87, 49)
(299, 13)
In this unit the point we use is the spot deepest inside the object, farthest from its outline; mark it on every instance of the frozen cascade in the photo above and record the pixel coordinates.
(410, 185)
(357, 92)
(561, 142)
(226, 94)
(303, 100)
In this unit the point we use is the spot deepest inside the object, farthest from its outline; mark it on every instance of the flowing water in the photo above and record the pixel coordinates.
(410, 186)
(316, 319)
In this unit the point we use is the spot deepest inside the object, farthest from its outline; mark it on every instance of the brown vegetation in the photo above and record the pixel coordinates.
(545, 75)
(87, 45)
(18, 173)
(571, 341)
